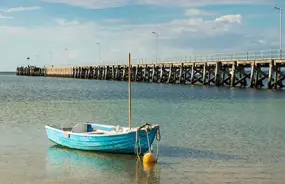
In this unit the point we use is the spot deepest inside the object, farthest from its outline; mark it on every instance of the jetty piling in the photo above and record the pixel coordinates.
(250, 70)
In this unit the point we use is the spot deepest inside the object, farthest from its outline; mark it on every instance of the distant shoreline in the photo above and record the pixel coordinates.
(7, 73)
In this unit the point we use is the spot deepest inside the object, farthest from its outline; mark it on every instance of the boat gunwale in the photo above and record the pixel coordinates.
(133, 130)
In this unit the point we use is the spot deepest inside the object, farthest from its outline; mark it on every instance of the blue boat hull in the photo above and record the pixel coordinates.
(111, 143)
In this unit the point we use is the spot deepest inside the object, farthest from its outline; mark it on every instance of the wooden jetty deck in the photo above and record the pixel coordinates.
(258, 69)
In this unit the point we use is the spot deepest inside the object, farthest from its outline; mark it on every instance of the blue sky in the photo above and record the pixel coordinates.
(66, 32)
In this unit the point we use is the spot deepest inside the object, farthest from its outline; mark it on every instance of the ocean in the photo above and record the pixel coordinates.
(208, 134)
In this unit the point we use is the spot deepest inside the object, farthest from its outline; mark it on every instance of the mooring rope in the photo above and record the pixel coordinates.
(158, 138)
(137, 145)
(148, 142)
(148, 129)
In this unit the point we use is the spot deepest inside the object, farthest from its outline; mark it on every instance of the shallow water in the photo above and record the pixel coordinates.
(209, 135)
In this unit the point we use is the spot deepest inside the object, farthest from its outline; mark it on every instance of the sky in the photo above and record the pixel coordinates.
(92, 32)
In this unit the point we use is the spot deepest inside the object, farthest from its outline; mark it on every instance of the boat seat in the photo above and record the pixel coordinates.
(66, 129)
(79, 128)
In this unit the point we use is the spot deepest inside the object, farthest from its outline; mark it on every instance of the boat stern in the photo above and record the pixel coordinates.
(54, 134)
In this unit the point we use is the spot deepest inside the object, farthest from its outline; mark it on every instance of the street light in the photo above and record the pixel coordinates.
(156, 44)
(28, 58)
(50, 54)
(99, 57)
(280, 10)
(67, 56)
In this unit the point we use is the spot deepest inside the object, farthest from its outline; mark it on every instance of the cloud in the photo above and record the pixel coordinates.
(188, 22)
(100, 4)
(180, 37)
(196, 3)
(229, 19)
(18, 9)
(115, 20)
(196, 12)
(64, 22)
(5, 17)
(92, 4)
(261, 41)
(216, 26)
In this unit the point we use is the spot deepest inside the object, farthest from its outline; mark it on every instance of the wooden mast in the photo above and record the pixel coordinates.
(130, 91)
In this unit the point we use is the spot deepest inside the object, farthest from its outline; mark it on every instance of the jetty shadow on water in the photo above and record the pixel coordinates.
(61, 161)
(183, 152)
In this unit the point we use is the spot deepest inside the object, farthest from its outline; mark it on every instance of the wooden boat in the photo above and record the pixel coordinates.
(106, 138)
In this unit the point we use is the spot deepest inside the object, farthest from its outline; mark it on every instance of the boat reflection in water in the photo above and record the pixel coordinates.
(74, 165)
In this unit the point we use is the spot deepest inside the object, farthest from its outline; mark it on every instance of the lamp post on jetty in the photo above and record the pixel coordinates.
(99, 57)
(280, 10)
(50, 55)
(28, 58)
(67, 53)
(156, 44)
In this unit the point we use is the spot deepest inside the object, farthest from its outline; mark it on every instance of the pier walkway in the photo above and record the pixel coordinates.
(258, 69)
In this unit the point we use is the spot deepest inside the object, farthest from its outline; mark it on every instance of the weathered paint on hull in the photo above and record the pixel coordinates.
(121, 143)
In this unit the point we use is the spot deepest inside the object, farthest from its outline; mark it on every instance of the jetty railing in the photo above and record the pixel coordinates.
(210, 57)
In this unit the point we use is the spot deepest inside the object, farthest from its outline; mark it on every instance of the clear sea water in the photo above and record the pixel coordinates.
(209, 135)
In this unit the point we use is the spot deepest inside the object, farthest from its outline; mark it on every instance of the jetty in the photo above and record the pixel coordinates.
(254, 69)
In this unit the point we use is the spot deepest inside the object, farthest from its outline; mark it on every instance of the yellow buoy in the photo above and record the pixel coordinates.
(148, 167)
(149, 158)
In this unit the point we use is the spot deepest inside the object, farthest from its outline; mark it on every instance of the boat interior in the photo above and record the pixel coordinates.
(94, 128)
